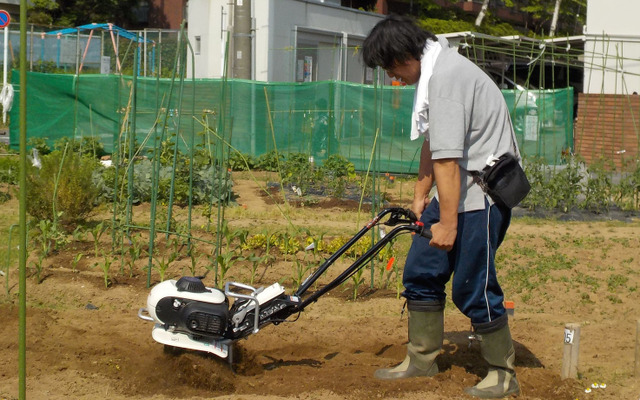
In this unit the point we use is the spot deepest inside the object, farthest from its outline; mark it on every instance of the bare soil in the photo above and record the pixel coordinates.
(84, 340)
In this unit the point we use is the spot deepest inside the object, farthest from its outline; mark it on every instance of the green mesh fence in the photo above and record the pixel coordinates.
(543, 121)
(318, 118)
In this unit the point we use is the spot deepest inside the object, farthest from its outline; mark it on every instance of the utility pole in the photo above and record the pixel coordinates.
(242, 39)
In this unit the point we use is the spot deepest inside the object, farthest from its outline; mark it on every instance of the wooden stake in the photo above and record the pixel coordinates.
(571, 351)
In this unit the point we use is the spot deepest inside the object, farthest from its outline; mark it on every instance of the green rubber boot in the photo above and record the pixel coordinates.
(426, 331)
(497, 349)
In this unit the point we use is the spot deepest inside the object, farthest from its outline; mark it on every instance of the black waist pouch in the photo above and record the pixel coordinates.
(505, 181)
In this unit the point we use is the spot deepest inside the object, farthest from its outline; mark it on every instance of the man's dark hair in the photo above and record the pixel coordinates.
(393, 40)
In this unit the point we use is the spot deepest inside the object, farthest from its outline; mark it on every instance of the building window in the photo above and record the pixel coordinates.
(197, 45)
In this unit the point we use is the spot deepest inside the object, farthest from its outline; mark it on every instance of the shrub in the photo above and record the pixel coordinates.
(566, 184)
(270, 161)
(597, 190)
(241, 162)
(627, 193)
(9, 169)
(73, 198)
(210, 184)
(297, 170)
(88, 146)
(539, 196)
(40, 144)
(337, 166)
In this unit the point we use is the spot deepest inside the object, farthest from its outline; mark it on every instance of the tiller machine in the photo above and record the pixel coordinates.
(188, 315)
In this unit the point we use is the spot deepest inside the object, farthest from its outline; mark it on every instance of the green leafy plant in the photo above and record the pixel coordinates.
(175, 245)
(75, 261)
(626, 194)
(336, 243)
(40, 144)
(162, 265)
(210, 183)
(105, 266)
(300, 271)
(598, 187)
(49, 237)
(135, 251)
(194, 257)
(288, 244)
(38, 267)
(79, 233)
(539, 196)
(230, 235)
(9, 169)
(62, 189)
(617, 282)
(317, 240)
(87, 146)
(337, 166)
(225, 262)
(241, 162)
(255, 264)
(357, 280)
(257, 241)
(565, 185)
(270, 161)
(297, 170)
(96, 233)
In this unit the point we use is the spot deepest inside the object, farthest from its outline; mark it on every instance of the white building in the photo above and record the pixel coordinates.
(292, 40)
(612, 47)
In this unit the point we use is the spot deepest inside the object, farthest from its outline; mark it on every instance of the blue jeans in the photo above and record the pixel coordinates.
(475, 288)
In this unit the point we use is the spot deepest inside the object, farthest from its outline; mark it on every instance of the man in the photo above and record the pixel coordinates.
(465, 123)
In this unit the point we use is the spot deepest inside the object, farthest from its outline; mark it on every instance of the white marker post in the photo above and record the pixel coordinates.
(571, 351)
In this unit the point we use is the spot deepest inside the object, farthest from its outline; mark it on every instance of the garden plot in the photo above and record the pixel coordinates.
(84, 340)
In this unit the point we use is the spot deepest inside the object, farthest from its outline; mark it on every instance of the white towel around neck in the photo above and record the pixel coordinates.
(420, 117)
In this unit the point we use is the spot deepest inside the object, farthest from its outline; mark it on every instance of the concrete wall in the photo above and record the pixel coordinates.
(206, 24)
(612, 47)
(285, 32)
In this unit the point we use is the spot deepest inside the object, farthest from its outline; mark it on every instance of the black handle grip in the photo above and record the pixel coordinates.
(425, 233)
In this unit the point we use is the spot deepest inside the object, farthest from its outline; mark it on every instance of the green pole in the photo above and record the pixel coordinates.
(22, 284)
(9, 260)
(156, 163)
(154, 180)
(192, 143)
(220, 127)
(154, 187)
(178, 114)
(222, 119)
(132, 135)
(115, 157)
(377, 125)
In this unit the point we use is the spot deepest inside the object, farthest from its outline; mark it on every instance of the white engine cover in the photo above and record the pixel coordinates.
(168, 289)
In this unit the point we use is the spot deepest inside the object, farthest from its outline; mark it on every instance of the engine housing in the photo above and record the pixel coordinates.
(189, 307)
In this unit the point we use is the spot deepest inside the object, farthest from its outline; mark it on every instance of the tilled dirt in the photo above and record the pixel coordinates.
(85, 341)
